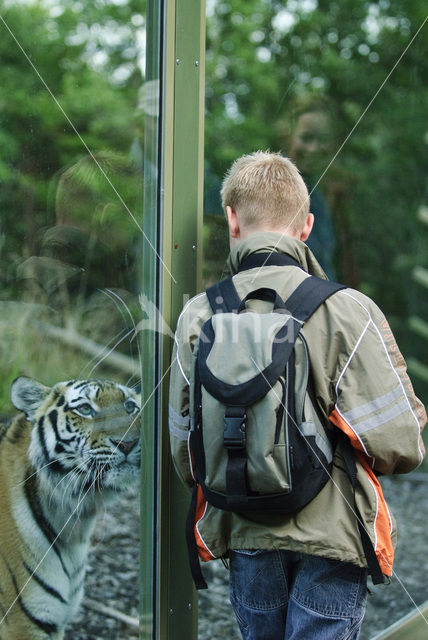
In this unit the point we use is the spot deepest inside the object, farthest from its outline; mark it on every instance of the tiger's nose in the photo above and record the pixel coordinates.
(125, 446)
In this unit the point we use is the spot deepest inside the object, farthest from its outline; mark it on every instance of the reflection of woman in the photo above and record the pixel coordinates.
(90, 246)
(312, 148)
(309, 149)
(85, 267)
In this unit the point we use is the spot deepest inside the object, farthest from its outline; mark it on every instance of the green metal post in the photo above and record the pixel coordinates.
(182, 225)
(413, 626)
(168, 599)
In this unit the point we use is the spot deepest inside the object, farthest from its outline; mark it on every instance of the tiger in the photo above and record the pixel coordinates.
(69, 452)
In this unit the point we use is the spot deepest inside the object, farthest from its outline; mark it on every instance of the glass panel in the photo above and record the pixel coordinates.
(148, 339)
(74, 110)
(340, 87)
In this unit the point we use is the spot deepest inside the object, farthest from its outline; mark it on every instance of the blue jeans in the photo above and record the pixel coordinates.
(284, 595)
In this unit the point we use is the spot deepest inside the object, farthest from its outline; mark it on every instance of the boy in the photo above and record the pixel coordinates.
(303, 576)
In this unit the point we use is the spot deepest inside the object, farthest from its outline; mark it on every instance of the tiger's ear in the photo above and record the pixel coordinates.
(27, 394)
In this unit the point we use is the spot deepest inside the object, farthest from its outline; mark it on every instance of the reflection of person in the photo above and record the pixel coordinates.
(312, 147)
(304, 575)
(85, 268)
(310, 143)
(309, 149)
(90, 245)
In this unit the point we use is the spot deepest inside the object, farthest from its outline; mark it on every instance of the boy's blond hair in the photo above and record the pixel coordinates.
(267, 190)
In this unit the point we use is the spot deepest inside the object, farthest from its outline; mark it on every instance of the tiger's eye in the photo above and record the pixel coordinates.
(130, 406)
(85, 410)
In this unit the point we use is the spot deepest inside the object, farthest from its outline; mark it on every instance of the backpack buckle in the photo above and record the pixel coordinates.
(234, 428)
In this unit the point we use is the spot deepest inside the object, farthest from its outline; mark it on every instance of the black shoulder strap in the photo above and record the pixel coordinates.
(268, 259)
(374, 569)
(309, 295)
(302, 303)
(305, 300)
(223, 297)
(313, 291)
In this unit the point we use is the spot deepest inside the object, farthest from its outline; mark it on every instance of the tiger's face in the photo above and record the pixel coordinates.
(87, 430)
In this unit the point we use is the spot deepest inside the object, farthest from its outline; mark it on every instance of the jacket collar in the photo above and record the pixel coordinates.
(272, 241)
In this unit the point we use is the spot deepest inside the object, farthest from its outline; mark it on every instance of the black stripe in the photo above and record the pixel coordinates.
(53, 592)
(41, 434)
(81, 385)
(77, 587)
(69, 428)
(40, 518)
(59, 448)
(55, 465)
(60, 401)
(53, 417)
(48, 627)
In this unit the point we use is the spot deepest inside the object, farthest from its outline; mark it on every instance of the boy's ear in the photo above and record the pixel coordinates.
(234, 226)
(233, 222)
(306, 231)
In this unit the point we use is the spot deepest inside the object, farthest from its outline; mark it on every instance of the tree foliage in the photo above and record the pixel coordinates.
(64, 69)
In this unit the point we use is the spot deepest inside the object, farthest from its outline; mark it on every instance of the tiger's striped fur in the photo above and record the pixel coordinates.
(75, 446)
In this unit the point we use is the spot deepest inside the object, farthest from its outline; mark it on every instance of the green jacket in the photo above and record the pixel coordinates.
(361, 386)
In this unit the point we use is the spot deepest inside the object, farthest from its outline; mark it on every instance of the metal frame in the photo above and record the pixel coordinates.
(413, 626)
(173, 222)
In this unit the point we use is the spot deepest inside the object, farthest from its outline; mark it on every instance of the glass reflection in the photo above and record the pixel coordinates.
(84, 265)
(311, 143)
(71, 131)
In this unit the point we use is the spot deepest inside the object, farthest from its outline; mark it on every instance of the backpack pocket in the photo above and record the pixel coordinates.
(268, 448)
(268, 460)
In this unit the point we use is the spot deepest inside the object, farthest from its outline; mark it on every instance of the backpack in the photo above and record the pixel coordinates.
(258, 440)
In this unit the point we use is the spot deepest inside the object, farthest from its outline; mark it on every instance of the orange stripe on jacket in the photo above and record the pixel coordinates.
(384, 548)
(201, 505)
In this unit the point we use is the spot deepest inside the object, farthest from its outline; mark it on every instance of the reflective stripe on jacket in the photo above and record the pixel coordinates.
(361, 386)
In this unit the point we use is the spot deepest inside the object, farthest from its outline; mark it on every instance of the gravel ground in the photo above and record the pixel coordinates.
(112, 577)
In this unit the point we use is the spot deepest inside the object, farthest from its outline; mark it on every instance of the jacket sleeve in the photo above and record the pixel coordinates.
(375, 404)
(178, 410)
